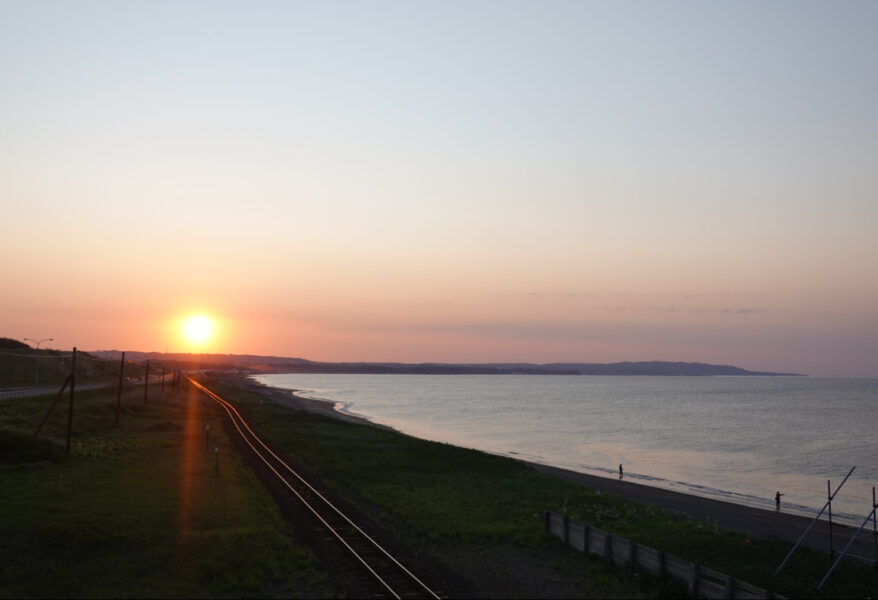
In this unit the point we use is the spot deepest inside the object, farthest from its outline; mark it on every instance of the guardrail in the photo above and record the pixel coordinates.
(701, 581)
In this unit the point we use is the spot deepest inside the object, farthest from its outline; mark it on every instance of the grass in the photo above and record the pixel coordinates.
(451, 495)
(138, 510)
(17, 447)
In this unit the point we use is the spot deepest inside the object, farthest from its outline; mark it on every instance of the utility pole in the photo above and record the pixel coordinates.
(146, 384)
(70, 408)
(119, 393)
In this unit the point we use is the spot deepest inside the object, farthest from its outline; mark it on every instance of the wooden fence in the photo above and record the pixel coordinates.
(702, 582)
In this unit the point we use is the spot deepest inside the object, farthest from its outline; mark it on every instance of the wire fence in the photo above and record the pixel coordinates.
(27, 372)
(71, 371)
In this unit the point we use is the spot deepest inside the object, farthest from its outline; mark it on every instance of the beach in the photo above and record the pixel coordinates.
(765, 524)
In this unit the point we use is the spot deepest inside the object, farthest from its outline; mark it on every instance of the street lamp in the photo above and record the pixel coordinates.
(37, 358)
(38, 342)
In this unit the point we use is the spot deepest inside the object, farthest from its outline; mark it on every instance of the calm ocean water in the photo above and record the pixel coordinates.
(738, 439)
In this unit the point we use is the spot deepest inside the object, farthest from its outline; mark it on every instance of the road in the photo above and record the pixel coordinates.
(51, 390)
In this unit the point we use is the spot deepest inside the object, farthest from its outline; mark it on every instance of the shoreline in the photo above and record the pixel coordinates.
(322, 407)
(756, 522)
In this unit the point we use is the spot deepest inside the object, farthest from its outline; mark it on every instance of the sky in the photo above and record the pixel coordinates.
(445, 181)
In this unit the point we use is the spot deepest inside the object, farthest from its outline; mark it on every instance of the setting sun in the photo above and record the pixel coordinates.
(198, 329)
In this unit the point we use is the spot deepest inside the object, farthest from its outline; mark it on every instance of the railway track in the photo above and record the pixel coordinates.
(393, 579)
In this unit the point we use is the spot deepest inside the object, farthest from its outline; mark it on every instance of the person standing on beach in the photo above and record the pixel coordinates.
(620, 470)
(777, 500)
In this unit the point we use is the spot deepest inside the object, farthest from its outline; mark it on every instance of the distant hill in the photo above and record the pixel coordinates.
(10, 344)
(278, 364)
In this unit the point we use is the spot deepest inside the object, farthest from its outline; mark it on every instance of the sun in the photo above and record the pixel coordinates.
(198, 329)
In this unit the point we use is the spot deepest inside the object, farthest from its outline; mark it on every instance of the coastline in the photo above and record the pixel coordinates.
(321, 407)
(756, 522)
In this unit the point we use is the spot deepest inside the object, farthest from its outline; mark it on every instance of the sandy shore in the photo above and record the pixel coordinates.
(322, 407)
(750, 521)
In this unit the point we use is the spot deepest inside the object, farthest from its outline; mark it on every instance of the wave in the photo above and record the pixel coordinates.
(691, 488)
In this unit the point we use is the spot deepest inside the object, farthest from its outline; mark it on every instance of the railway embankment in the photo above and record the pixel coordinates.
(139, 509)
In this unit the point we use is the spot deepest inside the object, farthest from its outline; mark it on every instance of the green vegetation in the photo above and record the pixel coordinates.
(451, 495)
(138, 510)
(17, 447)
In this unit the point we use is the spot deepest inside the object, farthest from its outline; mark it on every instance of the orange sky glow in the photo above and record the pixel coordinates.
(434, 182)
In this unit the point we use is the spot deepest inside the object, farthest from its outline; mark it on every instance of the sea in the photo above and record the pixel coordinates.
(739, 439)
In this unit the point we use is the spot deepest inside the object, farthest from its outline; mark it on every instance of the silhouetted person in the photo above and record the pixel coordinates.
(620, 470)
(777, 500)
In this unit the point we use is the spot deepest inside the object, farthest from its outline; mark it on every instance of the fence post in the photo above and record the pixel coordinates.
(874, 529)
(119, 392)
(146, 383)
(829, 504)
(605, 541)
(566, 531)
(693, 580)
(730, 587)
(70, 408)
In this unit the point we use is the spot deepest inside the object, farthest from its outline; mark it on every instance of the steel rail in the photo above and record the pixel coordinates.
(236, 417)
(229, 409)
